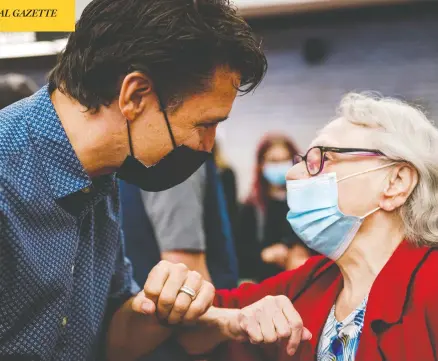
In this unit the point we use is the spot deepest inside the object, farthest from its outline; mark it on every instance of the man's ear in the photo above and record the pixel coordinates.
(401, 183)
(136, 95)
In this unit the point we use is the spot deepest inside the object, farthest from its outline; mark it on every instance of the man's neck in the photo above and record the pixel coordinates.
(99, 141)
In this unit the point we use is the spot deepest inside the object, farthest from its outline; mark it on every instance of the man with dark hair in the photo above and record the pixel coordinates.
(137, 94)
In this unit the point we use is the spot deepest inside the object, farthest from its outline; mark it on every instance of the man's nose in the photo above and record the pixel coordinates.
(298, 171)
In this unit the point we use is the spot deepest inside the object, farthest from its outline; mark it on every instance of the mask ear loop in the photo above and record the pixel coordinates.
(131, 148)
(370, 213)
(367, 171)
(163, 110)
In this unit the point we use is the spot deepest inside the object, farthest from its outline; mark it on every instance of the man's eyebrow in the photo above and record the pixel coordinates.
(213, 121)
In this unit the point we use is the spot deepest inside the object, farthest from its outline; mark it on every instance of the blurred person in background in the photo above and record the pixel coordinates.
(185, 224)
(228, 178)
(14, 87)
(266, 245)
(365, 197)
(189, 224)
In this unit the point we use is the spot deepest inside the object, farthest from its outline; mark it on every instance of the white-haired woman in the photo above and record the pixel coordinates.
(365, 196)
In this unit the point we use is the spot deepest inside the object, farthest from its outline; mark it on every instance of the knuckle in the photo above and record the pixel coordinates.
(241, 317)
(257, 339)
(163, 263)
(181, 267)
(278, 314)
(166, 301)
(195, 276)
(151, 291)
(179, 308)
(284, 333)
(282, 298)
(296, 325)
(174, 320)
(209, 286)
(258, 313)
(190, 316)
(271, 339)
(196, 309)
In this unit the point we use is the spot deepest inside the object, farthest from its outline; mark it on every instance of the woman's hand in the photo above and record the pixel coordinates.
(269, 320)
(276, 254)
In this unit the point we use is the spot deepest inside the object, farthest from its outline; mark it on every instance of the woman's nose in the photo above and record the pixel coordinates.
(298, 171)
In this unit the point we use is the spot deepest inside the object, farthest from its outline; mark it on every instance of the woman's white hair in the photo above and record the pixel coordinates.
(403, 133)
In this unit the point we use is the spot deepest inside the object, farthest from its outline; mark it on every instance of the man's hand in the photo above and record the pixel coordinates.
(162, 294)
(269, 320)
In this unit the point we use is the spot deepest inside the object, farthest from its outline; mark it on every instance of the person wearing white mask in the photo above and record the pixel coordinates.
(364, 196)
(266, 244)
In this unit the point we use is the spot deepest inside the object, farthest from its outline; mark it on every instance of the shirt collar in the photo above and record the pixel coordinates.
(64, 171)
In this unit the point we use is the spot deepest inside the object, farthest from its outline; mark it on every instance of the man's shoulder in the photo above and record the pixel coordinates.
(17, 162)
(13, 132)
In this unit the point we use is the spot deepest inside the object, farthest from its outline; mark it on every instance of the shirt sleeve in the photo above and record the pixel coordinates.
(177, 214)
(123, 285)
(122, 288)
(287, 283)
(249, 293)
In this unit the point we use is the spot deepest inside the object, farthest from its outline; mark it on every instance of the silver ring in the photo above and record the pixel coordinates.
(188, 291)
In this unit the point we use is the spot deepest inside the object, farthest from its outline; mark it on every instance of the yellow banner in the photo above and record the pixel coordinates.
(37, 15)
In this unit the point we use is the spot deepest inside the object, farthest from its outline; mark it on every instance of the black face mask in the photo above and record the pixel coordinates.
(173, 169)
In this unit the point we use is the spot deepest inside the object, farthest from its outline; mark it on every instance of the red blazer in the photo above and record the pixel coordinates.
(401, 318)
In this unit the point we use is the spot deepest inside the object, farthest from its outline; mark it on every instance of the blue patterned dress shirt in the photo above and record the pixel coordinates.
(63, 272)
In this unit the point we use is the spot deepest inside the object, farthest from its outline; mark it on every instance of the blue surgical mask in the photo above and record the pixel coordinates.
(275, 173)
(315, 215)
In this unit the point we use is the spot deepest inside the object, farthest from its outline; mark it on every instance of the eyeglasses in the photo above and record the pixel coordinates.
(316, 156)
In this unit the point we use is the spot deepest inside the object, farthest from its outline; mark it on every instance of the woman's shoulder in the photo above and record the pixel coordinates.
(426, 275)
(422, 286)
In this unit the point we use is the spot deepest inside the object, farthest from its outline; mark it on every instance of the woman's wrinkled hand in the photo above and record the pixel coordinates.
(269, 320)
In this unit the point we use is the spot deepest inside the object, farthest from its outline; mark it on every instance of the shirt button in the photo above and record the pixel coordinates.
(64, 321)
(86, 190)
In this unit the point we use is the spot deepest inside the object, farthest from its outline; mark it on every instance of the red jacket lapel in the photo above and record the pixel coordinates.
(388, 296)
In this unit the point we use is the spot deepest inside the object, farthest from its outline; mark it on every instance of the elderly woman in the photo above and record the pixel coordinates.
(365, 196)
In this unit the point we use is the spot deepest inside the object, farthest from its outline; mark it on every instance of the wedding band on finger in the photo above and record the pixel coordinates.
(188, 291)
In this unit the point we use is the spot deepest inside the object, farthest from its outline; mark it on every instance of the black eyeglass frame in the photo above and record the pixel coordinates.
(365, 152)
